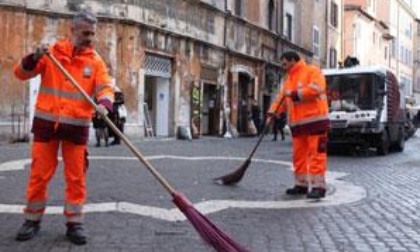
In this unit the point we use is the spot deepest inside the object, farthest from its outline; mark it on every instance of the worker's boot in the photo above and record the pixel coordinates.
(297, 190)
(76, 233)
(28, 230)
(316, 193)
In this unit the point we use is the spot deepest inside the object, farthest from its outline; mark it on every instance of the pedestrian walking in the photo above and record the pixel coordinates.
(101, 129)
(119, 114)
(256, 116)
(278, 126)
(62, 118)
(305, 101)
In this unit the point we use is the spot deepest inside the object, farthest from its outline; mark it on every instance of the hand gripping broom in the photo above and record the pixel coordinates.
(236, 176)
(219, 240)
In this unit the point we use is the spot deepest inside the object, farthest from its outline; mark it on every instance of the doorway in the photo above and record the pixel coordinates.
(244, 102)
(156, 96)
(210, 110)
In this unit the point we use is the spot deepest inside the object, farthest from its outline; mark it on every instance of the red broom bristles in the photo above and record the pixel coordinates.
(208, 231)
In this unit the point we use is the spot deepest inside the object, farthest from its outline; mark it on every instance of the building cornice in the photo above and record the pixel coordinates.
(359, 9)
(227, 15)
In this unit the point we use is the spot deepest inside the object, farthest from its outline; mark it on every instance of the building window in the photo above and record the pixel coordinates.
(211, 24)
(409, 57)
(248, 40)
(238, 7)
(240, 37)
(394, 48)
(379, 42)
(401, 53)
(315, 42)
(204, 52)
(288, 26)
(372, 6)
(374, 38)
(408, 30)
(271, 15)
(333, 58)
(418, 83)
(334, 14)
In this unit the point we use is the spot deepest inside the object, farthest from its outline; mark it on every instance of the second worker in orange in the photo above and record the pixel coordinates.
(303, 96)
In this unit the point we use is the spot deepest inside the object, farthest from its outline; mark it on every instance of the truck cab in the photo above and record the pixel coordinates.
(366, 108)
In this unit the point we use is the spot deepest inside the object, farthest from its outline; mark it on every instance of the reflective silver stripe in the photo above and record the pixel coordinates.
(75, 218)
(101, 87)
(316, 87)
(310, 120)
(317, 180)
(61, 93)
(301, 179)
(323, 97)
(33, 216)
(300, 94)
(313, 180)
(36, 205)
(317, 177)
(62, 119)
(73, 208)
(300, 84)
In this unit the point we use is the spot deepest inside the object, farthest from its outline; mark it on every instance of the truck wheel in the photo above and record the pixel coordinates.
(383, 146)
(399, 146)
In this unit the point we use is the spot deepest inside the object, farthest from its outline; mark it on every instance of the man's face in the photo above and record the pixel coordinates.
(286, 64)
(83, 33)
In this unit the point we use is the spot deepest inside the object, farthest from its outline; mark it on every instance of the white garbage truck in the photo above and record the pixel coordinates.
(367, 109)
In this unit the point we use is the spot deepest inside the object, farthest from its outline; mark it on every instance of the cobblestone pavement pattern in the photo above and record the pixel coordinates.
(386, 219)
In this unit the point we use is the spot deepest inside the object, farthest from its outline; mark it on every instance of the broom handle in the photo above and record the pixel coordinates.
(108, 121)
(263, 132)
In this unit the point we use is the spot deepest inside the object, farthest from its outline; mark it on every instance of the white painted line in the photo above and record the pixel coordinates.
(344, 193)
(15, 165)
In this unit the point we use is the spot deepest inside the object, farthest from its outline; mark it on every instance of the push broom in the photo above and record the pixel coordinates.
(237, 175)
(219, 240)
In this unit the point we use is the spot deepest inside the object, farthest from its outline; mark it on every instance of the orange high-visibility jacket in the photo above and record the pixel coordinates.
(58, 101)
(305, 101)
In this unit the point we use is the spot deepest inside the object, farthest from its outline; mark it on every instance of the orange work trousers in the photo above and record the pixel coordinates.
(44, 165)
(310, 159)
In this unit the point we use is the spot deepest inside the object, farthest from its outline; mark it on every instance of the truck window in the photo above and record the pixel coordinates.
(351, 92)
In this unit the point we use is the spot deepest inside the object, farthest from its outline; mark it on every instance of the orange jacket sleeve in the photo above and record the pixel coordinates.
(316, 85)
(104, 93)
(28, 68)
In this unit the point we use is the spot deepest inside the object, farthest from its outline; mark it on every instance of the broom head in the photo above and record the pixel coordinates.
(219, 240)
(235, 176)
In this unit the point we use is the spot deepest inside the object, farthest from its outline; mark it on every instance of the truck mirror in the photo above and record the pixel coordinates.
(381, 92)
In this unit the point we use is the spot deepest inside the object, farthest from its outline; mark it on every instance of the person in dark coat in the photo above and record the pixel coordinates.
(101, 129)
(118, 116)
(279, 124)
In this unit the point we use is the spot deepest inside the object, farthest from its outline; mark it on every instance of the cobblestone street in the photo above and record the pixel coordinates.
(371, 205)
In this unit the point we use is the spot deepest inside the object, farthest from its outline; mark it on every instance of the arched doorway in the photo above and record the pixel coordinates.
(245, 96)
(242, 96)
